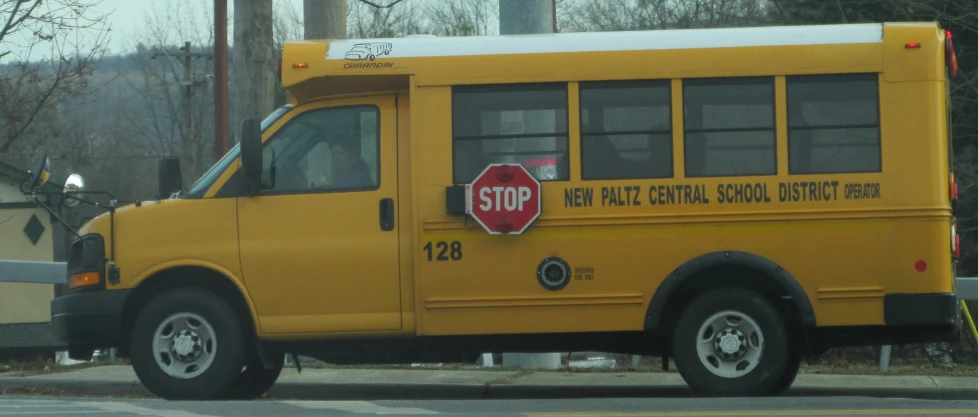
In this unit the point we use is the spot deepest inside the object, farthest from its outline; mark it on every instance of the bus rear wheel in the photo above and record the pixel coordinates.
(732, 342)
(188, 344)
(255, 380)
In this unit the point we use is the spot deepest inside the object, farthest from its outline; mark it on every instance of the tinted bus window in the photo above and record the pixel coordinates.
(729, 126)
(833, 123)
(517, 123)
(626, 130)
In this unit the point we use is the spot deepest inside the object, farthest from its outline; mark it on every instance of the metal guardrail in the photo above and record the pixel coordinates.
(33, 272)
(30, 337)
(967, 288)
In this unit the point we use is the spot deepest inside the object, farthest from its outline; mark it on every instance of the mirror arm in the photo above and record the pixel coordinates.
(66, 225)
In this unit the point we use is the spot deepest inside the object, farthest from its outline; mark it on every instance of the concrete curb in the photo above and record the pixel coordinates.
(388, 391)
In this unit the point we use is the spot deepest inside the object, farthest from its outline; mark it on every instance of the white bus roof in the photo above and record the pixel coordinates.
(417, 47)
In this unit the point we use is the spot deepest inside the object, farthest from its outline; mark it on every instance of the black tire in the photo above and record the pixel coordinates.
(228, 356)
(255, 380)
(787, 378)
(774, 351)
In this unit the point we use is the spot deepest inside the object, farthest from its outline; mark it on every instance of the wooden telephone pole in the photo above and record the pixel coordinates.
(189, 83)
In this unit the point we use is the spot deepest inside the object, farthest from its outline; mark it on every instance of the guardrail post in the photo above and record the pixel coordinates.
(885, 358)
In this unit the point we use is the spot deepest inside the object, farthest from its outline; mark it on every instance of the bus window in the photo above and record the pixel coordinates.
(326, 149)
(520, 123)
(626, 130)
(729, 126)
(833, 123)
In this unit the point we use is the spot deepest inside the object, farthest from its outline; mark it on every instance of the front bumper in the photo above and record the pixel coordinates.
(90, 319)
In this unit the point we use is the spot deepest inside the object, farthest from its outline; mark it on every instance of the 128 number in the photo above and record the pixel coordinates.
(446, 251)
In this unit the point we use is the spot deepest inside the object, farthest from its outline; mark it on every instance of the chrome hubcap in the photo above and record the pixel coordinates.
(730, 344)
(184, 345)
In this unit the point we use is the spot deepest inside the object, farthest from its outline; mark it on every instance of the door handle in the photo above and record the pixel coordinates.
(386, 214)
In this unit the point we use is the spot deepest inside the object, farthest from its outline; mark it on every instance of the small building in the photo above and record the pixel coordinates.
(28, 232)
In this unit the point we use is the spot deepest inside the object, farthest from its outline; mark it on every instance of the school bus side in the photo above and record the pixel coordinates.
(847, 250)
(314, 272)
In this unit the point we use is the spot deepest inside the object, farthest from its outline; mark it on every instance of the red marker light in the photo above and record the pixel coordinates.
(957, 246)
(920, 266)
(950, 57)
(912, 45)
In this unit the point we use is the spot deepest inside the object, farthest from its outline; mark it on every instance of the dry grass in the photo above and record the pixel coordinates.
(46, 367)
(844, 368)
(873, 369)
(54, 392)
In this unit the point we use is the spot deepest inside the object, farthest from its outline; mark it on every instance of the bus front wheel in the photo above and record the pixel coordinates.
(732, 342)
(188, 344)
(255, 380)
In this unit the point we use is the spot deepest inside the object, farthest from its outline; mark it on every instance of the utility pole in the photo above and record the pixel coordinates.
(221, 138)
(253, 81)
(189, 83)
(517, 17)
(324, 19)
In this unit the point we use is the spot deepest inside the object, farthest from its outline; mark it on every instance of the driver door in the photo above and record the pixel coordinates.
(318, 246)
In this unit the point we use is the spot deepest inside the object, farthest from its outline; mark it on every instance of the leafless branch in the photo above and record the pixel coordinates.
(379, 6)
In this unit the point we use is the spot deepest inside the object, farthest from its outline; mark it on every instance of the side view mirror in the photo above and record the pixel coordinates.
(169, 180)
(251, 155)
(73, 184)
(41, 172)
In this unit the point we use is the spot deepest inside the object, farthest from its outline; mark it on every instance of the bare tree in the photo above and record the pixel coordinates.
(50, 51)
(368, 21)
(287, 24)
(616, 15)
(252, 60)
(324, 19)
(167, 121)
(462, 17)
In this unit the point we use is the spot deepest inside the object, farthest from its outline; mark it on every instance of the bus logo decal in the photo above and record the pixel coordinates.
(369, 50)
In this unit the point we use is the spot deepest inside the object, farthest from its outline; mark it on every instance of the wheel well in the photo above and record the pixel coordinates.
(739, 276)
(181, 277)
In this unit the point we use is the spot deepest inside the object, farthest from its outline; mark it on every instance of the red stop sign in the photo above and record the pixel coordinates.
(504, 199)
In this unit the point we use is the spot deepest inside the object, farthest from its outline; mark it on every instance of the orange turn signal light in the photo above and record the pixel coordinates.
(84, 279)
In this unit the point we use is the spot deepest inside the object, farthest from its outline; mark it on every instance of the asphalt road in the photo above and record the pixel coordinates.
(603, 407)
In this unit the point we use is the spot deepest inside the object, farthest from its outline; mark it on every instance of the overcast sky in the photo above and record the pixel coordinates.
(128, 15)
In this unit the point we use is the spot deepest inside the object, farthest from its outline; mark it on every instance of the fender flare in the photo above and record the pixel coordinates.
(210, 266)
(680, 275)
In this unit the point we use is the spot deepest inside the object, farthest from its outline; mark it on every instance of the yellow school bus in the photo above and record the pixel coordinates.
(733, 199)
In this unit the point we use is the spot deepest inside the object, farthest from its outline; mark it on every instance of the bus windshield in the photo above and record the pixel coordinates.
(205, 181)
